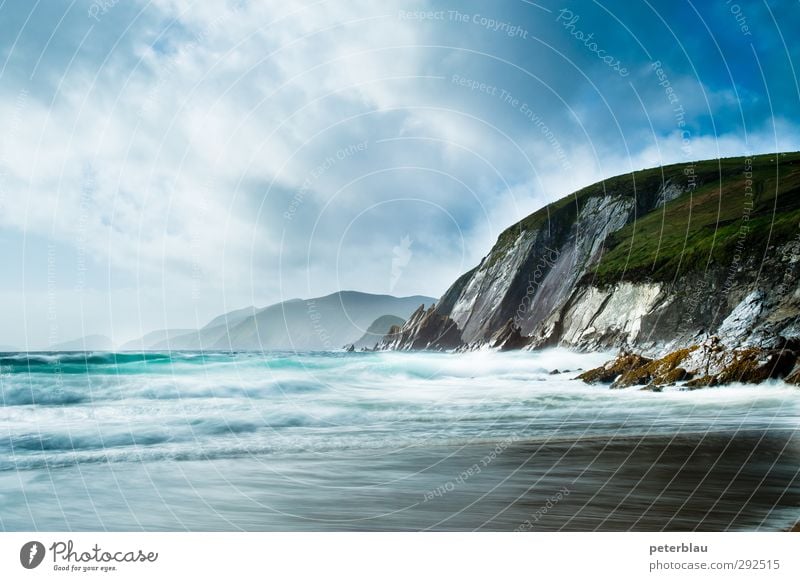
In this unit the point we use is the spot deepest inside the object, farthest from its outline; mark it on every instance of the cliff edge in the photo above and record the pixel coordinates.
(653, 261)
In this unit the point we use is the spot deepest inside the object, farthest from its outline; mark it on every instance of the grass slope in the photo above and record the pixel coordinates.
(710, 223)
(717, 222)
(642, 186)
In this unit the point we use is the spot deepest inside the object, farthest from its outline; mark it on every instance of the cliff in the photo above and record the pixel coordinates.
(652, 261)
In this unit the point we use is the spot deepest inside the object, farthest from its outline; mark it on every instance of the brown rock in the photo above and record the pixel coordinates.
(624, 363)
(660, 372)
(751, 365)
(700, 366)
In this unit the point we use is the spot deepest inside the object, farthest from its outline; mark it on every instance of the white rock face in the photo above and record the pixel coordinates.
(740, 323)
(529, 279)
(490, 283)
(617, 312)
(577, 322)
(624, 311)
(599, 217)
(669, 192)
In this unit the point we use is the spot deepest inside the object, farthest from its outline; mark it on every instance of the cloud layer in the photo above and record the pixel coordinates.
(162, 162)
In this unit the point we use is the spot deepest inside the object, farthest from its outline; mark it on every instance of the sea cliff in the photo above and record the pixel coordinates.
(652, 262)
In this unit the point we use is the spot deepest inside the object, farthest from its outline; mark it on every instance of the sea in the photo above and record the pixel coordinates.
(384, 441)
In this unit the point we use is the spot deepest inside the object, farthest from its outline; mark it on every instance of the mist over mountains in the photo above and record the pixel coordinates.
(318, 324)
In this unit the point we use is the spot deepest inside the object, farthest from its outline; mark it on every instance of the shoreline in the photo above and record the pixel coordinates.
(653, 484)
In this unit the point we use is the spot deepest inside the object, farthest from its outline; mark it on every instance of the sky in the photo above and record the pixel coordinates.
(165, 161)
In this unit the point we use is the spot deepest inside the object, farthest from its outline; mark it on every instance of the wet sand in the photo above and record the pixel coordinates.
(715, 482)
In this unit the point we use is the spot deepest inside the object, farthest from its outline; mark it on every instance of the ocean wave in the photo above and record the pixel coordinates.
(95, 389)
(366, 444)
(52, 358)
(67, 442)
(19, 395)
(103, 362)
(188, 405)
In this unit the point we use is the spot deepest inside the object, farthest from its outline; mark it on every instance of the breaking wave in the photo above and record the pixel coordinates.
(135, 407)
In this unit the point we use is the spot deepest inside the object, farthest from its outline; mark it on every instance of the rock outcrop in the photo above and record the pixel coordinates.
(708, 364)
(509, 337)
(656, 261)
(624, 364)
(424, 329)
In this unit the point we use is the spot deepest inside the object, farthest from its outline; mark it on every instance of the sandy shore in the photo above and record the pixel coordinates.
(712, 483)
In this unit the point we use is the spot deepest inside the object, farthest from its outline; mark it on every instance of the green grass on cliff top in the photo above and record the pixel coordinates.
(713, 222)
(717, 223)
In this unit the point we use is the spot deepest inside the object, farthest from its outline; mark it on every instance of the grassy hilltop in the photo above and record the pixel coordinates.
(719, 219)
(712, 221)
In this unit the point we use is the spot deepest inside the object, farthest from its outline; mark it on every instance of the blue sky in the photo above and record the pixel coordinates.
(162, 162)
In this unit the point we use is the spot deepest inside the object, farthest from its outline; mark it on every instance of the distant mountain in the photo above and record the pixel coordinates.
(150, 340)
(166, 339)
(318, 324)
(324, 323)
(232, 318)
(196, 339)
(377, 331)
(87, 343)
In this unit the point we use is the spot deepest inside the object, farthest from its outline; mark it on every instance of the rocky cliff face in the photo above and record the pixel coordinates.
(652, 261)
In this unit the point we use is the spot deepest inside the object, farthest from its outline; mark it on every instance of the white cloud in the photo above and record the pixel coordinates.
(173, 166)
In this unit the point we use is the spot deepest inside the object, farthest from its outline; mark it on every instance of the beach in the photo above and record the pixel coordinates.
(393, 442)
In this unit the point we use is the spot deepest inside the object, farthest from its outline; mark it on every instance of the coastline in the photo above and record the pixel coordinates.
(388, 441)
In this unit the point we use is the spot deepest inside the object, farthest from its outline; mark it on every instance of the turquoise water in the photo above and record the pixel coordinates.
(363, 441)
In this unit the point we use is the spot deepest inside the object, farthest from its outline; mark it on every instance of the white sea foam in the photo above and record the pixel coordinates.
(219, 405)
